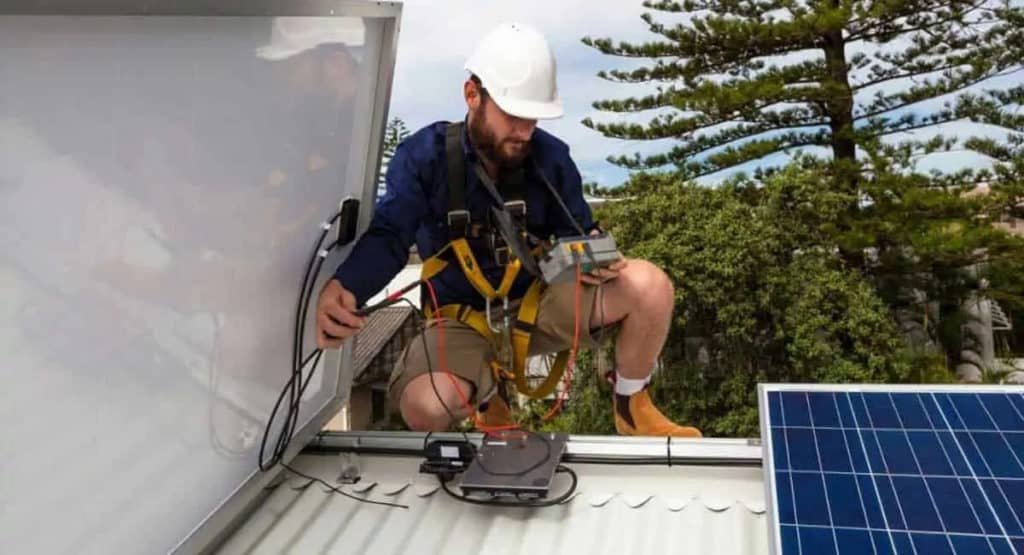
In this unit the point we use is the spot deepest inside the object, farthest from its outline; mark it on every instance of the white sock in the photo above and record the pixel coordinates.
(629, 386)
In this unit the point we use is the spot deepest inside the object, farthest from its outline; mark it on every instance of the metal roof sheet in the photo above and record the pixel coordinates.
(617, 509)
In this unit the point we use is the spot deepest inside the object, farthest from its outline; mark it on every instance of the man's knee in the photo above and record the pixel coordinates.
(651, 283)
(427, 407)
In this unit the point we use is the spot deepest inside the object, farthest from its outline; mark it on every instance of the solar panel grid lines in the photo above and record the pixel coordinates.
(887, 470)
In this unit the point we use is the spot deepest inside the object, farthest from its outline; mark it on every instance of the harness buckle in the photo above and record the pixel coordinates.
(516, 208)
(502, 333)
(458, 223)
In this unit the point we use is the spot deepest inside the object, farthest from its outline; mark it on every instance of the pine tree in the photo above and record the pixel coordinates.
(745, 79)
(395, 133)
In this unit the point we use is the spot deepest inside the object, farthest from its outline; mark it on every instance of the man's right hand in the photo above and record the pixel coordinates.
(335, 316)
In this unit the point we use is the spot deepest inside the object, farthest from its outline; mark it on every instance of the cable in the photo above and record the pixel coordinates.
(339, 491)
(296, 386)
(487, 430)
(496, 502)
(571, 363)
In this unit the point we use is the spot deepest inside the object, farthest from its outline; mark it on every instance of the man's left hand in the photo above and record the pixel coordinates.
(601, 275)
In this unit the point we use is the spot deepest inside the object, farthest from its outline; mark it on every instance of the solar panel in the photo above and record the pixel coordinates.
(885, 470)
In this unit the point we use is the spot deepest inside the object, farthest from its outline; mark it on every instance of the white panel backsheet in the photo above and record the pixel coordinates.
(161, 183)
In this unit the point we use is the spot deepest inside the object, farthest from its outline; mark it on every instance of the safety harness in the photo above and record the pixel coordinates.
(511, 340)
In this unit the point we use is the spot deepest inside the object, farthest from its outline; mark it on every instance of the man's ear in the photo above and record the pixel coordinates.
(471, 92)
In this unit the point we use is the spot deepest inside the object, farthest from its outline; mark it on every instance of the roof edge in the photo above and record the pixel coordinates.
(579, 449)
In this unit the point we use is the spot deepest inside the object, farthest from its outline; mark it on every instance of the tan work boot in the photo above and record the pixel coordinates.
(497, 414)
(636, 415)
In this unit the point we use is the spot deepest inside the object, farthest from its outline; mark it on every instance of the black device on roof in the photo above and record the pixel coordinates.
(515, 463)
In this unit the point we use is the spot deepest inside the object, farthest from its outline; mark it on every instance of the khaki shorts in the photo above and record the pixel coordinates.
(469, 355)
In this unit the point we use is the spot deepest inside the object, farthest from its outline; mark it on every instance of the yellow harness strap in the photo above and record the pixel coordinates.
(525, 320)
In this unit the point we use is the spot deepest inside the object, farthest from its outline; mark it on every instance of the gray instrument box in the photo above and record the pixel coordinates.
(559, 263)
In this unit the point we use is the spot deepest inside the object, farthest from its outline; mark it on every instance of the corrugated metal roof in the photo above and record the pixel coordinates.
(617, 509)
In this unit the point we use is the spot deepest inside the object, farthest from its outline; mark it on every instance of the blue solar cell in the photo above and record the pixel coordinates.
(794, 410)
(1001, 461)
(881, 413)
(1003, 546)
(949, 444)
(1003, 512)
(775, 408)
(897, 454)
(823, 410)
(934, 412)
(1014, 492)
(853, 444)
(973, 415)
(872, 508)
(803, 455)
(918, 508)
(842, 402)
(930, 455)
(779, 449)
(1007, 417)
(975, 545)
(975, 461)
(948, 414)
(873, 450)
(883, 543)
(910, 411)
(932, 544)
(976, 497)
(1016, 440)
(953, 504)
(890, 505)
(785, 498)
(860, 413)
(832, 447)
(790, 540)
(854, 542)
(902, 541)
(1017, 400)
(809, 492)
(818, 541)
(846, 507)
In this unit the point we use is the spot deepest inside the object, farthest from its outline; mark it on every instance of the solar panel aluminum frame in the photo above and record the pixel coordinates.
(768, 462)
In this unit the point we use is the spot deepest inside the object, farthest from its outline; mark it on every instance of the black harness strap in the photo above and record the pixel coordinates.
(458, 215)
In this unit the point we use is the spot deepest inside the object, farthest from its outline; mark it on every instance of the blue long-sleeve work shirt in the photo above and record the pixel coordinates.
(415, 208)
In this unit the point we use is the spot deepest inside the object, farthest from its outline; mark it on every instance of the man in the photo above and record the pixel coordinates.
(512, 85)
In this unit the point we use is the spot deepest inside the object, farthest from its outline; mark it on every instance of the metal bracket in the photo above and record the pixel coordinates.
(350, 473)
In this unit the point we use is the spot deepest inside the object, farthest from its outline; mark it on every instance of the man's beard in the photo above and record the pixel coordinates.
(487, 145)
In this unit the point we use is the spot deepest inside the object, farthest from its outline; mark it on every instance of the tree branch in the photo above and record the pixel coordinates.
(903, 76)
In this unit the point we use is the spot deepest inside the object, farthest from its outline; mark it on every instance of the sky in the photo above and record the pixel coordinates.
(437, 36)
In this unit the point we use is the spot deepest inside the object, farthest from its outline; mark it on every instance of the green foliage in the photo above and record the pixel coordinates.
(761, 295)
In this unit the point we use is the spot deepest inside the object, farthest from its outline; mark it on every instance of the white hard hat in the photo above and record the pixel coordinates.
(516, 66)
(294, 35)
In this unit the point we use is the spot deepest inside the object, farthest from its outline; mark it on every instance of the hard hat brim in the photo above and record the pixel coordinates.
(528, 109)
(276, 54)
